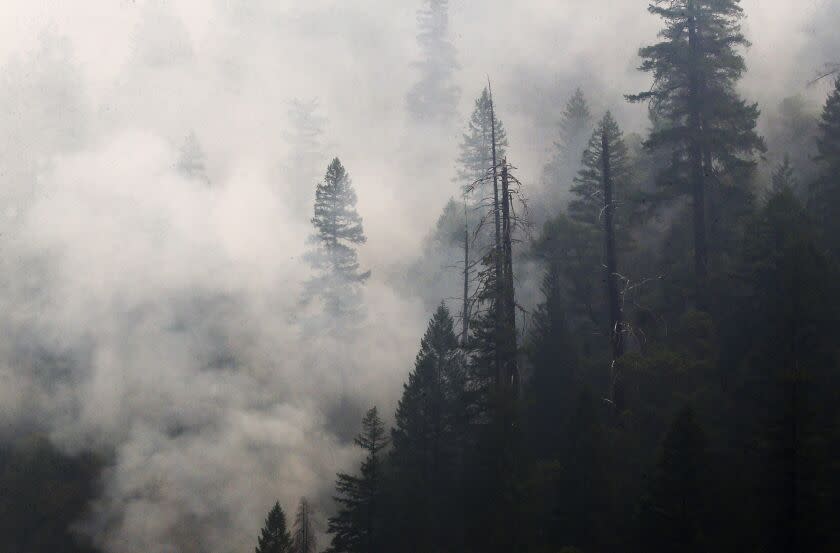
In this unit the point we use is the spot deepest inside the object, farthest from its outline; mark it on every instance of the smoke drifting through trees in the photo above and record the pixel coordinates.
(155, 319)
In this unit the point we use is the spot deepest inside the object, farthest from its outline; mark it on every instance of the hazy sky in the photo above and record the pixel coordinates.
(155, 318)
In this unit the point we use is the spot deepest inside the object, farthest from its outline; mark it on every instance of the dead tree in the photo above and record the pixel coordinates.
(611, 267)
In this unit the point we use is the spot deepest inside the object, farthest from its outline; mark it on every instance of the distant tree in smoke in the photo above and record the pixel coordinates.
(435, 96)
(355, 527)
(338, 228)
(575, 126)
(303, 532)
(274, 537)
(191, 160)
(476, 157)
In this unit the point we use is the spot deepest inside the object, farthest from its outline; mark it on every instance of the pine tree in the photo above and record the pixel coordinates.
(553, 357)
(710, 129)
(476, 157)
(303, 532)
(356, 526)
(674, 510)
(601, 187)
(587, 204)
(427, 440)
(338, 228)
(191, 162)
(435, 96)
(274, 537)
(826, 194)
(575, 127)
(784, 177)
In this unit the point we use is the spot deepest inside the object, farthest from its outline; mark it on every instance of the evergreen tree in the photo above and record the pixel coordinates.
(553, 356)
(274, 537)
(790, 364)
(826, 194)
(427, 440)
(784, 177)
(435, 96)
(674, 510)
(575, 128)
(476, 157)
(587, 204)
(338, 228)
(600, 187)
(356, 527)
(583, 506)
(303, 532)
(710, 130)
(191, 159)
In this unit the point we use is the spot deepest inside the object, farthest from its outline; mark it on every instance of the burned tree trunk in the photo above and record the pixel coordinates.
(611, 267)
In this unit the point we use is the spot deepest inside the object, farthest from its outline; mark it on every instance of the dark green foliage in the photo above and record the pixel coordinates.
(274, 536)
(675, 510)
(428, 442)
(784, 177)
(705, 125)
(554, 377)
(826, 193)
(587, 205)
(338, 228)
(357, 526)
(43, 494)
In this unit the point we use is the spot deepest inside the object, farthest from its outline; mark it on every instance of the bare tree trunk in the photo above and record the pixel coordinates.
(697, 176)
(509, 299)
(465, 310)
(497, 251)
(616, 333)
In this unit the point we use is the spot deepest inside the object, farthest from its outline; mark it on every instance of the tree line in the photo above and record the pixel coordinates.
(675, 389)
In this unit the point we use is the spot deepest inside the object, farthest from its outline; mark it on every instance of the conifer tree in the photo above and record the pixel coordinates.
(338, 228)
(575, 128)
(427, 440)
(191, 161)
(476, 157)
(303, 532)
(553, 361)
(826, 194)
(674, 510)
(710, 129)
(435, 96)
(274, 537)
(355, 528)
(784, 177)
(587, 204)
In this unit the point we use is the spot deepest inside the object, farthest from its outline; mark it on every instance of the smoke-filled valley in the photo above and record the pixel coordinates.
(428, 275)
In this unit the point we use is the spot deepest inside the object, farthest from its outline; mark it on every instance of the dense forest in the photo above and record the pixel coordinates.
(635, 354)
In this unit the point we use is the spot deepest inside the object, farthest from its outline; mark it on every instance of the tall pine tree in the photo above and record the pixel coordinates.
(427, 441)
(709, 128)
(274, 537)
(356, 527)
(338, 228)
(435, 96)
(476, 157)
(826, 194)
